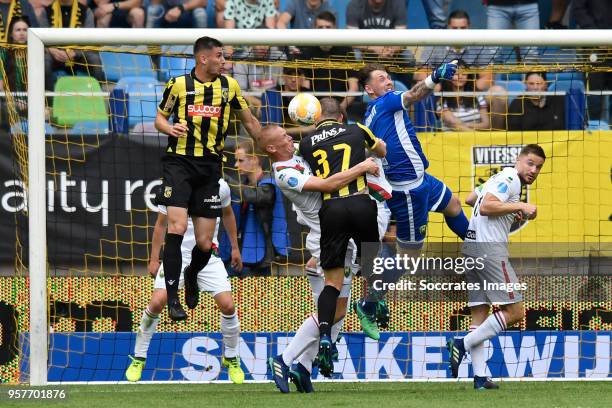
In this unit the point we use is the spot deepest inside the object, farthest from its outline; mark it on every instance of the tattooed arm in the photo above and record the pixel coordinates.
(416, 93)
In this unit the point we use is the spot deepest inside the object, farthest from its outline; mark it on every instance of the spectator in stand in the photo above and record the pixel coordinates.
(257, 77)
(555, 20)
(328, 79)
(275, 104)
(123, 14)
(462, 112)
(69, 14)
(10, 9)
(260, 216)
(13, 76)
(301, 13)
(250, 14)
(537, 112)
(470, 55)
(176, 14)
(596, 14)
(381, 14)
(436, 14)
(519, 14)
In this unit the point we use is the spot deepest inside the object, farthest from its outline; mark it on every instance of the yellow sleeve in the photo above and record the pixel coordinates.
(238, 102)
(169, 99)
(370, 140)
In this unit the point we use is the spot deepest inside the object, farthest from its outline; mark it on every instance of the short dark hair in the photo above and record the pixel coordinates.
(533, 149)
(540, 73)
(327, 16)
(330, 108)
(206, 43)
(458, 14)
(364, 73)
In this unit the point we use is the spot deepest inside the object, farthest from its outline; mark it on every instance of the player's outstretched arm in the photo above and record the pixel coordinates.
(492, 206)
(229, 223)
(339, 180)
(250, 123)
(159, 233)
(424, 88)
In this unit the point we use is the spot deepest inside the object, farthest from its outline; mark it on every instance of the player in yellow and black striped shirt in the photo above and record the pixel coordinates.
(347, 213)
(200, 104)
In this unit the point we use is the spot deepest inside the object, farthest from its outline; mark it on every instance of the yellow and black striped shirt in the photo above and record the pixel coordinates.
(204, 107)
(335, 147)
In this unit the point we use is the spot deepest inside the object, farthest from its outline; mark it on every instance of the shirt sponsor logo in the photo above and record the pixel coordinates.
(470, 234)
(205, 111)
(326, 134)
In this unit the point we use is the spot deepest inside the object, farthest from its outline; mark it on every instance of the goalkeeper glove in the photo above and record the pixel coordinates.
(443, 72)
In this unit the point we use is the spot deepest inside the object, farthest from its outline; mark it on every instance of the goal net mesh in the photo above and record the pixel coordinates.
(103, 168)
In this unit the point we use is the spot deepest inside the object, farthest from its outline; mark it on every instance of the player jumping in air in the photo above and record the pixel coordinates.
(212, 279)
(346, 213)
(415, 192)
(496, 204)
(295, 179)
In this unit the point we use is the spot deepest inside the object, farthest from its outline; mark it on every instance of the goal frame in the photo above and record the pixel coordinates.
(39, 38)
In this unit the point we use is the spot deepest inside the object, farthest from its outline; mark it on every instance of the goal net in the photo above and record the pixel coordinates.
(92, 211)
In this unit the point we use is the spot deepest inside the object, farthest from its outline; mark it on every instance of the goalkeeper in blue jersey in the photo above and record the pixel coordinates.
(415, 193)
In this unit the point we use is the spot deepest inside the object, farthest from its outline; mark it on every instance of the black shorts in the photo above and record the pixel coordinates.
(191, 183)
(342, 219)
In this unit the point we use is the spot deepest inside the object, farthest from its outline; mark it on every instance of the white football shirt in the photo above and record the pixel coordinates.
(506, 186)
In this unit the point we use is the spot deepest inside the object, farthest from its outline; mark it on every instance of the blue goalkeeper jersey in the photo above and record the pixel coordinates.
(387, 119)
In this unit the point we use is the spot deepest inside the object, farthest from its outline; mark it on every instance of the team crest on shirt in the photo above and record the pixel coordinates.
(224, 95)
(487, 161)
(167, 192)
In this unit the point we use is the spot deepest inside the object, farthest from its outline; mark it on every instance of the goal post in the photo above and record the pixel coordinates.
(39, 38)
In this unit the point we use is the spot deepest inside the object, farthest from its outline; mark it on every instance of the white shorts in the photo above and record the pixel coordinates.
(497, 283)
(212, 279)
(317, 282)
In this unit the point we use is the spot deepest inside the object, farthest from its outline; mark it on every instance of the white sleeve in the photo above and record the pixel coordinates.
(224, 194)
(504, 187)
(162, 209)
(289, 178)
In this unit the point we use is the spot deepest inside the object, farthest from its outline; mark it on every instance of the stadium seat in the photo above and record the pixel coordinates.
(70, 109)
(512, 86)
(597, 125)
(174, 66)
(565, 85)
(143, 95)
(90, 128)
(120, 64)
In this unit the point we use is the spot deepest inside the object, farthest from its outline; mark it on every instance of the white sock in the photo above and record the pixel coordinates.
(310, 353)
(230, 328)
(477, 352)
(306, 336)
(491, 327)
(335, 331)
(148, 325)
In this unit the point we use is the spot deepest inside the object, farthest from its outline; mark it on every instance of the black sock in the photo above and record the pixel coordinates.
(172, 263)
(199, 258)
(327, 309)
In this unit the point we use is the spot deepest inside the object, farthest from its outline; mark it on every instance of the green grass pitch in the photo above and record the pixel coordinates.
(374, 395)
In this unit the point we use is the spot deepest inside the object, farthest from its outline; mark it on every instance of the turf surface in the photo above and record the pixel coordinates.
(374, 395)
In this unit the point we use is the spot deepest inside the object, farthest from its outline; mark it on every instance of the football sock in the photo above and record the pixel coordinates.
(172, 263)
(199, 258)
(491, 327)
(458, 224)
(327, 309)
(148, 325)
(307, 336)
(477, 353)
(230, 329)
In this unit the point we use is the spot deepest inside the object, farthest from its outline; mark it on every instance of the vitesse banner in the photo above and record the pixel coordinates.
(573, 192)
